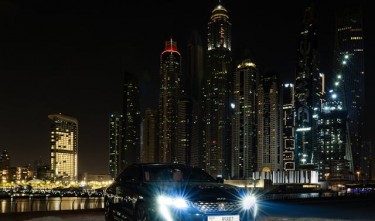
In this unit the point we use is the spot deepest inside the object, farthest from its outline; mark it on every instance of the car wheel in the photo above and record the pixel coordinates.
(141, 213)
(108, 213)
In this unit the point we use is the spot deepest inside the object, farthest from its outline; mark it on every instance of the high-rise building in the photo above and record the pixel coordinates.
(335, 154)
(149, 136)
(349, 63)
(115, 144)
(170, 78)
(217, 149)
(308, 92)
(64, 146)
(183, 131)
(244, 123)
(131, 122)
(194, 81)
(270, 150)
(288, 126)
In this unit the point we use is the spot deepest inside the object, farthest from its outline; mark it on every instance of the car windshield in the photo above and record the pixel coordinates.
(175, 173)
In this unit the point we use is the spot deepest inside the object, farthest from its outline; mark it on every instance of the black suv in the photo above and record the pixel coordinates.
(174, 192)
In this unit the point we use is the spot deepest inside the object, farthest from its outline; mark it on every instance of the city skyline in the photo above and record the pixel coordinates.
(85, 96)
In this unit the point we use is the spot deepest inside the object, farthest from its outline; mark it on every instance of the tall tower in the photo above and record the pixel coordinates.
(349, 63)
(115, 144)
(335, 157)
(217, 142)
(150, 141)
(195, 71)
(269, 109)
(170, 77)
(288, 126)
(244, 124)
(308, 92)
(132, 122)
(64, 146)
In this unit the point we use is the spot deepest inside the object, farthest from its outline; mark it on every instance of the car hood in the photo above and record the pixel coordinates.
(198, 191)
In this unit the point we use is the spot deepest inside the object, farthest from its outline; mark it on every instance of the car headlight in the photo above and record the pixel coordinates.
(249, 202)
(176, 202)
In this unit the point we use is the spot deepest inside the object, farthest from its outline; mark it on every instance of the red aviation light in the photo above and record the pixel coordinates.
(170, 46)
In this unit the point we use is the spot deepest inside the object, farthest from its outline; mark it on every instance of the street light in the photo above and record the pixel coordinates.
(358, 173)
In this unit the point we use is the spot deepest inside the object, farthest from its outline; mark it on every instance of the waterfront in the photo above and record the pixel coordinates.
(37, 204)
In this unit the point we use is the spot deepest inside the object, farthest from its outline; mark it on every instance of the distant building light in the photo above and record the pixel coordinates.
(330, 91)
(343, 62)
(232, 105)
(334, 96)
(339, 76)
(303, 129)
(315, 108)
(346, 56)
(337, 83)
(315, 116)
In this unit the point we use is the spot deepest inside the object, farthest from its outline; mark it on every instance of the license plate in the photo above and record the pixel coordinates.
(224, 218)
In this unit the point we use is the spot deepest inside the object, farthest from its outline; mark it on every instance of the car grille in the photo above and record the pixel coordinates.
(209, 207)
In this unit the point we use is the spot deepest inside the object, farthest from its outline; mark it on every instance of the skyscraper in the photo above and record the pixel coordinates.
(183, 131)
(195, 73)
(269, 109)
(288, 126)
(217, 142)
(131, 122)
(150, 139)
(308, 92)
(349, 63)
(64, 146)
(170, 78)
(244, 124)
(335, 156)
(115, 144)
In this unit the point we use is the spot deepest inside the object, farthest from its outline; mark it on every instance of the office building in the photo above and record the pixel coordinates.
(64, 146)
(149, 137)
(288, 126)
(115, 144)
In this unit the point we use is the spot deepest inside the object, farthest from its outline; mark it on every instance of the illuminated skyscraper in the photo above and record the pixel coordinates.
(115, 144)
(217, 132)
(349, 63)
(308, 92)
(288, 126)
(244, 124)
(170, 78)
(270, 150)
(131, 122)
(64, 146)
(150, 139)
(335, 156)
(183, 131)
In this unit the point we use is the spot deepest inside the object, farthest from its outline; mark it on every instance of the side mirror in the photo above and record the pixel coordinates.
(219, 179)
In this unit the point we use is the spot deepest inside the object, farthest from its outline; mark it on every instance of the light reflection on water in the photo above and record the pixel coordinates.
(10, 205)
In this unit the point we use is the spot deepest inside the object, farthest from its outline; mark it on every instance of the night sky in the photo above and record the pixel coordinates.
(69, 57)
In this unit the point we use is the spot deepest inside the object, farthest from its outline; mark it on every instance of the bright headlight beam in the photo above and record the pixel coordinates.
(177, 202)
(248, 202)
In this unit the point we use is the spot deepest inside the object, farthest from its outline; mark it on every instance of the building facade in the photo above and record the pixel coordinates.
(64, 146)
(149, 137)
(269, 111)
(288, 126)
(217, 146)
(244, 124)
(170, 78)
(349, 62)
(131, 122)
(195, 87)
(115, 144)
(308, 92)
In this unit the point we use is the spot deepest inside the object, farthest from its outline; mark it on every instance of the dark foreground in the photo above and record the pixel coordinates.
(316, 209)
